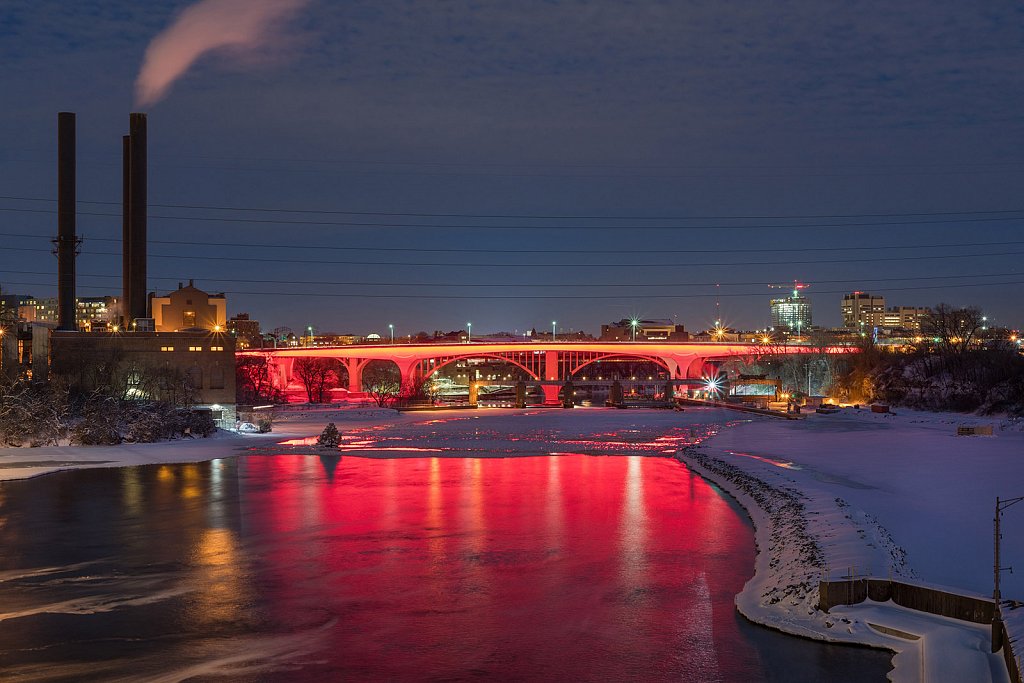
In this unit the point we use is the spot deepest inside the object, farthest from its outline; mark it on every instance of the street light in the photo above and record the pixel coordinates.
(553, 323)
(469, 333)
(309, 335)
(392, 328)
(633, 323)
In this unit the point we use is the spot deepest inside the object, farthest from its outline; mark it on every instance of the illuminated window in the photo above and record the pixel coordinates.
(166, 348)
(189, 318)
(195, 348)
(216, 348)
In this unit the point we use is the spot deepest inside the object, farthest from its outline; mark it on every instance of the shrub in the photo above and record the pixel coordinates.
(329, 437)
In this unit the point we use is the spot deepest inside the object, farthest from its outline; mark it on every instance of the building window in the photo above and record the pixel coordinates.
(216, 348)
(217, 378)
(195, 377)
(166, 348)
(195, 348)
(188, 319)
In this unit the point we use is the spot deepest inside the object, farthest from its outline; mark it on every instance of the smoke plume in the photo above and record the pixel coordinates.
(240, 26)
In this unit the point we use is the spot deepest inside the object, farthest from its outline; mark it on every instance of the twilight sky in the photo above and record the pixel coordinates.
(514, 163)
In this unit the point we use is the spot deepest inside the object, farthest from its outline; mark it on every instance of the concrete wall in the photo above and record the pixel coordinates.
(920, 598)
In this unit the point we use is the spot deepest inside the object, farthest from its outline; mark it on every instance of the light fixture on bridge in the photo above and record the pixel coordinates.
(713, 385)
(633, 324)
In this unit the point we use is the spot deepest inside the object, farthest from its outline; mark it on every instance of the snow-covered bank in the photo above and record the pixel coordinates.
(23, 463)
(872, 494)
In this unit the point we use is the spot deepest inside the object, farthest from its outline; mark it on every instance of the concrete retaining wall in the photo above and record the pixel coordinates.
(920, 598)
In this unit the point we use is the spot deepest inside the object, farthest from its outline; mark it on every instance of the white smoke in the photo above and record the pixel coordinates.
(236, 25)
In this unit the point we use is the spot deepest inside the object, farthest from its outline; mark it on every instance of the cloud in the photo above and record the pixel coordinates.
(241, 26)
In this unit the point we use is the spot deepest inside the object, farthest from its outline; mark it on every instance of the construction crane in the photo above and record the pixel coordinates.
(796, 286)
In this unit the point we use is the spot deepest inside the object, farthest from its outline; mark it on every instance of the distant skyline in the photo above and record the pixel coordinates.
(637, 155)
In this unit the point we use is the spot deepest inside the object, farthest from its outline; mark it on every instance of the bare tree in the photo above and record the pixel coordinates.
(318, 376)
(254, 379)
(383, 382)
(952, 330)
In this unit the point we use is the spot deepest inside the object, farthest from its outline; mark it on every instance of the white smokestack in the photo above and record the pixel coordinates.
(206, 26)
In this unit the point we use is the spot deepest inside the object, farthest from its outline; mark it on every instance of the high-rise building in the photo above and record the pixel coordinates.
(863, 311)
(792, 313)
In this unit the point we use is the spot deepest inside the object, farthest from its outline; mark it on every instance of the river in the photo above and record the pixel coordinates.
(292, 567)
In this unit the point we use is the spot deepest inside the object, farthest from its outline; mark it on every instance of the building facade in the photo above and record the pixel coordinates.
(792, 313)
(906, 317)
(206, 359)
(863, 311)
(643, 330)
(245, 331)
(189, 308)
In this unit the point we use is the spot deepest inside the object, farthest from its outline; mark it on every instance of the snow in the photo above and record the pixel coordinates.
(872, 494)
(932, 648)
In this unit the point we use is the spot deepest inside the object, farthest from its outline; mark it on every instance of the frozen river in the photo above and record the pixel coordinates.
(292, 567)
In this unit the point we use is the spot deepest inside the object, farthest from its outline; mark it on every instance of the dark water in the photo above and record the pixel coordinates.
(289, 568)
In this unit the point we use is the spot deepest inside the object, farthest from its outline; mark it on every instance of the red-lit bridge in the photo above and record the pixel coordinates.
(546, 363)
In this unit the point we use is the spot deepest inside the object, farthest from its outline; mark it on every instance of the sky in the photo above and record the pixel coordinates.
(427, 164)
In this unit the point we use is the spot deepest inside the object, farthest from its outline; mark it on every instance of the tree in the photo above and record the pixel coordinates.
(330, 436)
(383, 382)
(318, 376)
(953, 330)
(254, 380)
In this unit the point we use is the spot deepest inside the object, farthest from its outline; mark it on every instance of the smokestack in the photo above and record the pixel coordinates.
(126, 229)
(67, 242)
(137, 218)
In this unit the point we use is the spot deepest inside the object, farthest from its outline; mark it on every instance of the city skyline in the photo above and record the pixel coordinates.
(627, 165)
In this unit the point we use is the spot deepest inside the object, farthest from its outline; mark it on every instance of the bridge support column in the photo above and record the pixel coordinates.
(355, 366)
(283, 370)
(474, 392)
(551, 394)
(410, 376)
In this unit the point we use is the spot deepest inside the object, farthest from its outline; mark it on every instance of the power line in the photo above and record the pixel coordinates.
(526, 284)
(536, 216)
(319, 247)
(423, 264)
(256, 221)
(571, 296)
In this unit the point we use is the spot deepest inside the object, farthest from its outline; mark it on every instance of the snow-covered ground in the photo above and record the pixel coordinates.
(873, 494)
(877, 495)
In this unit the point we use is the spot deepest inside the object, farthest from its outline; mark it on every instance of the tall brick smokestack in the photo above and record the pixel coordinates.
(126, 228)
(66, 242)
(135, 245)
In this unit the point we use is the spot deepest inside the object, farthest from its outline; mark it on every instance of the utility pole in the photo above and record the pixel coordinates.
(997, 617)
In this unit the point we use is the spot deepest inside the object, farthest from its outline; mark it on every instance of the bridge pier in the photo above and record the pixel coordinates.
(550, 392)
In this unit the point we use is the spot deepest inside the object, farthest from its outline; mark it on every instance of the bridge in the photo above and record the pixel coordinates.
(548, 364)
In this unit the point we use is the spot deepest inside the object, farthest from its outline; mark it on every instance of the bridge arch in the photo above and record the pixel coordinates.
(426, 372)
(572, 367)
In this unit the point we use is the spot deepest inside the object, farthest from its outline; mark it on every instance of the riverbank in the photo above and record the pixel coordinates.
(866, 494)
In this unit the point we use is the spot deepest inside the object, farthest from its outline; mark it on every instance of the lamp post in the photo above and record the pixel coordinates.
(997, 617)
(392, 328)
(309, 335)
(469, 332)
(553, 323)
(633, 323)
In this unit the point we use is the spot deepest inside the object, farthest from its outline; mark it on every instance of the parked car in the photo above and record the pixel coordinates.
(248, 428)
